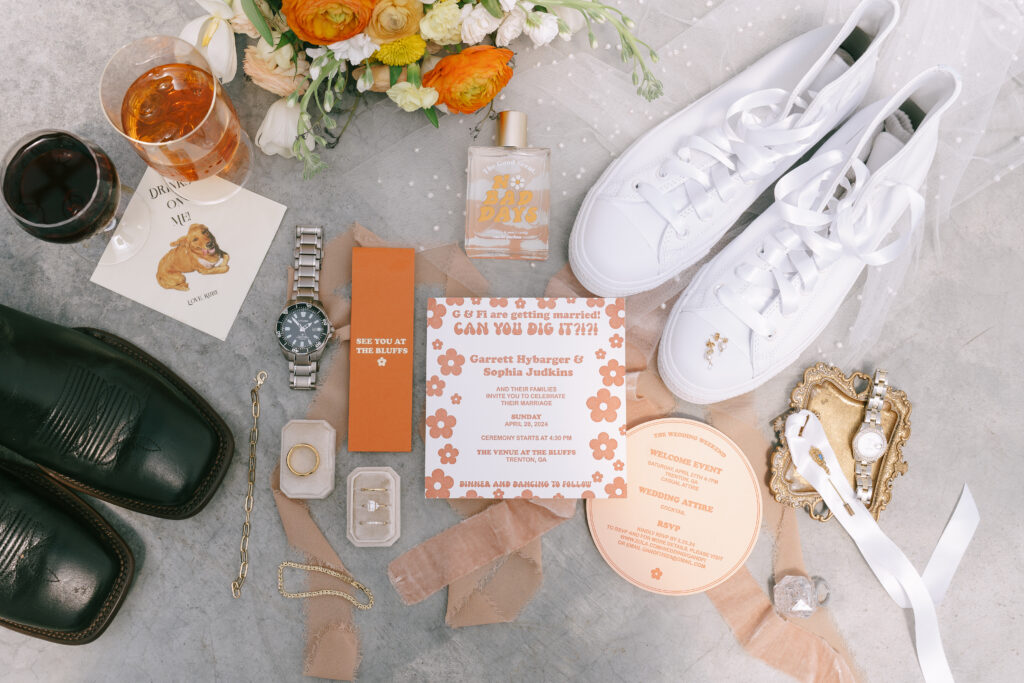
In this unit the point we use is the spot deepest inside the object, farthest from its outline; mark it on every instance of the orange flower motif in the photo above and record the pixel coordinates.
(451, 362)
(456, 399)
(472, 494)
(455, 301)
(656, 574)
(613, 373)
(467, 81)
(604, 446)
(448, 453)
(520, 303)
(527, 493)
(441, 424)
(616, 314)
(558, 495)
(622, 429)
(618, 465)
(438, 484)
(600, 353)
(498, 302)
(437, 344)
(615, 340)
(570, 300)
(595, 303)
(498, 493)
(435, 386)
(547, 303)
(476, 300)
(435, 314)
(323, 22)
(603, 406)
(597, 477)
(587, 494)
(616, 489)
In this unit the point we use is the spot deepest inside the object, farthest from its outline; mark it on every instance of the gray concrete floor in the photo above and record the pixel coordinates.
(952, 341)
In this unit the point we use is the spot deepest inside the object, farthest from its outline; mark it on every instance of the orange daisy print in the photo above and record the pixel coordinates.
(613, 373)
(603, 446)
(441, 424)
(438, 484)
(616, 489)
(451, 362)
(603, 406)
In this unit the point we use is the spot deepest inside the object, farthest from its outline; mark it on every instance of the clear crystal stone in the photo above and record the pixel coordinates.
(795, 596)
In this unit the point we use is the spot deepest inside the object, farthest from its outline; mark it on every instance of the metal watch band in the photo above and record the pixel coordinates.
(879, 388)
(872, 416)
(309, 250)
(302, 375)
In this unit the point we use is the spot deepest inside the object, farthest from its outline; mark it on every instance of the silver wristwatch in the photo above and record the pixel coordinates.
(869, 443)
(303, 328)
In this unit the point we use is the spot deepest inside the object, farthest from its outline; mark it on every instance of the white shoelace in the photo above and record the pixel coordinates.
(791, 259)
(756, 134)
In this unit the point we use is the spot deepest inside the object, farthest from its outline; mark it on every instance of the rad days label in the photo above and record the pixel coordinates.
(525, 398)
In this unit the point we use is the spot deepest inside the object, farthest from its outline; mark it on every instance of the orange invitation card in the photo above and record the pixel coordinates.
(380, 380)
(693, 512)
(526, 398)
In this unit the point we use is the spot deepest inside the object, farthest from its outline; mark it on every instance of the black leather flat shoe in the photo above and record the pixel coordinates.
(103, 417)
(64, 571)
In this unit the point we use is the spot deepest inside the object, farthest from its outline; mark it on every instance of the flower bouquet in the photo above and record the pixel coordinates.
(427, 55)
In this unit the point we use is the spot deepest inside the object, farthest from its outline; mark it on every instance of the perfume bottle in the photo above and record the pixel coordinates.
(508, 195)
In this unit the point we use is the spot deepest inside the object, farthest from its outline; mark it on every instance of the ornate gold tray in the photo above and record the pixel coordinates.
(838, 401)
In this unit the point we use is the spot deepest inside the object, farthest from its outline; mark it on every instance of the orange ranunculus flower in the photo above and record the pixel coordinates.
(470, 79)
(323, 22)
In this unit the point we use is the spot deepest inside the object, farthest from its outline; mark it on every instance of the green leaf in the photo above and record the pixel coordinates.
(258, 20)
(493, 7)
(395, 72)
(413, 74)
(432, 116)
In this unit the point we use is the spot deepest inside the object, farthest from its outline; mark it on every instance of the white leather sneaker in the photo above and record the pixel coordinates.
(662, 205)
(753, 309)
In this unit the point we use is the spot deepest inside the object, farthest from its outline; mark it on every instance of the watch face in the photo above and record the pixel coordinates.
(869, 445)
(302, 328)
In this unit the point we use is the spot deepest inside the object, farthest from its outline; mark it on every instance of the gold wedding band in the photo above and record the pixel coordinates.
(288, 459)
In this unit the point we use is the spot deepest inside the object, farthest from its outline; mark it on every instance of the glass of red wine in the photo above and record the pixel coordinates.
(62, 188)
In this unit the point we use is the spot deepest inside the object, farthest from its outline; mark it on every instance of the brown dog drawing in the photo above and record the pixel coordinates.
(197, 251)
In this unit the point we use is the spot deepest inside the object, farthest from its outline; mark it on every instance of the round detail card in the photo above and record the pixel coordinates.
(692, 512)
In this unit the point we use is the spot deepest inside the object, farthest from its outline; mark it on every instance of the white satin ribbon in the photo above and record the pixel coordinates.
(892, 568)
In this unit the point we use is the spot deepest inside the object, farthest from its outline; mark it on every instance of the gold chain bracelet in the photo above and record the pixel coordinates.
(326, 591)
(254, 435)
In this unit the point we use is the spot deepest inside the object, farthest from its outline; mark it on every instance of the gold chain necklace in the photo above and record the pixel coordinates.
(326, 591)
(254, 435)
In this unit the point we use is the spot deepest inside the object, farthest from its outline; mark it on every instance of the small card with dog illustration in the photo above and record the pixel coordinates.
(200, 259)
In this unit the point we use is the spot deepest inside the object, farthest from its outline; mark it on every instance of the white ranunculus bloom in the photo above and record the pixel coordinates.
(541, 27)
(410, 98)
(279, 129)
(355, 49)
(572, 18)
(214, 38)
(511, 27)
(477, 24)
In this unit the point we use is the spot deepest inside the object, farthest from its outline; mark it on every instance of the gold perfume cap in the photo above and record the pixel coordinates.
(511, 129)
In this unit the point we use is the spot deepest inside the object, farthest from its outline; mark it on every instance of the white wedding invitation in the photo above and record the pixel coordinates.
(526, 398)
(198, 260)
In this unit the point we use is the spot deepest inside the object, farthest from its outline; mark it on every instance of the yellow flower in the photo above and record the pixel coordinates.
(401, 52)
(443, 23)
(410, 98)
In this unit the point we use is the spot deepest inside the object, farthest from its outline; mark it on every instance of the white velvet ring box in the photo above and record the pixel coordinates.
(374, 507)
(309, 472)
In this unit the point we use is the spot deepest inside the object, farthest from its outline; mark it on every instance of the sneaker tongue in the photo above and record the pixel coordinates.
(896, 132)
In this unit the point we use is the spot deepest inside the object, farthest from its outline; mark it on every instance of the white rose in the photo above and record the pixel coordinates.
(541, 27)
(279, 129)
(511, 28)
(214, 39)
(442, 23)
(410, 98)
(477, 24)
(573, 19)
(355, 49)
